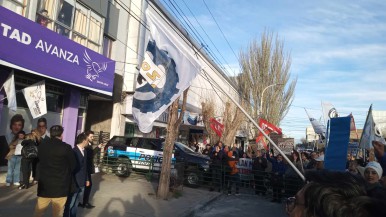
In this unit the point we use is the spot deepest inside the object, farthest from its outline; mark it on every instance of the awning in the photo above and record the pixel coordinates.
(33, 48)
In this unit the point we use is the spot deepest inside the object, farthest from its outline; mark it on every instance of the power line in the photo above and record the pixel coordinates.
(221, 30)
(206, 34)
(199, 38)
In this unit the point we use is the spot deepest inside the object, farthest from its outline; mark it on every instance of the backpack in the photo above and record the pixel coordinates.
(29, 150)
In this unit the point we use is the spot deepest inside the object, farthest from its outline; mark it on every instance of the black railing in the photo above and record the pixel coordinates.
(217, 178)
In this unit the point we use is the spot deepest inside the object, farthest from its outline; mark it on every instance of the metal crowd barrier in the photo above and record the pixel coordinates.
(217, 178)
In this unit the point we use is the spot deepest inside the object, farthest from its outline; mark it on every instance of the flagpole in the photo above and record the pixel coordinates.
(257, 126)
(301, 161)
(3, 98)
(367, 118)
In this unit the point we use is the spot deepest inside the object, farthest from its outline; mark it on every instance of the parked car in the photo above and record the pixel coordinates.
(135, 153)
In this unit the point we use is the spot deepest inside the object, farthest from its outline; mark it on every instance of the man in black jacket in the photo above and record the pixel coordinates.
(91, 152)
(57, 161)
(80, 175)
(216, 168)
(258, 167)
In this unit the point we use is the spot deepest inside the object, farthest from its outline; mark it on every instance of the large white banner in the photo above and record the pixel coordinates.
(35, 95)
(169, 67)
(9, 88)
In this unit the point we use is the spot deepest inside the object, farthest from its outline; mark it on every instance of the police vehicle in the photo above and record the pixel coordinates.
(135, 153)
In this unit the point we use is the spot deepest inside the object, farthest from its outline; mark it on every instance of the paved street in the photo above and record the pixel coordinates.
(112, 196)
(241, 206)
(134, 196)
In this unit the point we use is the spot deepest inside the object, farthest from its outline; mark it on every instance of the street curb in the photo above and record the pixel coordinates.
(191, 212)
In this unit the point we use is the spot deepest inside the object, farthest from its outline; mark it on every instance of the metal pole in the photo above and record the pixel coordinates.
(262, 95)
(256, 125)
(301, 161)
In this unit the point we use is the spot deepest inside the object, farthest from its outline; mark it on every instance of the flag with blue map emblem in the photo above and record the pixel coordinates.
(168, 68)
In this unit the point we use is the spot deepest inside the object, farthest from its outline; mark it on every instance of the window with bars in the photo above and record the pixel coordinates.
(73, 20)
(17, 6)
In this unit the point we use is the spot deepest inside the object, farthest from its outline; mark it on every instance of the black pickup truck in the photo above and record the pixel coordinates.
(136, 153)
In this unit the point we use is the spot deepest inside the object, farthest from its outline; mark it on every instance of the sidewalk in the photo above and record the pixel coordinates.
(113, 196)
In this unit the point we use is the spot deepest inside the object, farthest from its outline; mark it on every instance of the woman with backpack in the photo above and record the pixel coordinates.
(29, 153)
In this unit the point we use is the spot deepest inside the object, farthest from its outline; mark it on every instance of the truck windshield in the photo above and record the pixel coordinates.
(183, 147)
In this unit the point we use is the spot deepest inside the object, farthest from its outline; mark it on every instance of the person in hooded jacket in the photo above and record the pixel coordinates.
(233, 158)
(30, 139)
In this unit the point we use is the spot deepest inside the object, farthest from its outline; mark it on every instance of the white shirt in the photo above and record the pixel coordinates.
(81, 150)
(45, 134)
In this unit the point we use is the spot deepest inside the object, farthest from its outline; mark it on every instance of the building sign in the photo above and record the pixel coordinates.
(28, 46)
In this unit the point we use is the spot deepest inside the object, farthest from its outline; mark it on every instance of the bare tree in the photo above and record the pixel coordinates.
(233, 118)
(263, 64)
(174, 122)
(208, 112)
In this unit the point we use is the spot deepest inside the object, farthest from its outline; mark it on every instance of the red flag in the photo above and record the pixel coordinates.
(267, 128)
(264, 124)
(216, 126)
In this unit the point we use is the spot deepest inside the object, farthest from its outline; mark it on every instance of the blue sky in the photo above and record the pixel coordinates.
(338, 49)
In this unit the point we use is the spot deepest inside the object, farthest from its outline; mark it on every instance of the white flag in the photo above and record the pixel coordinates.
(329, 111)
(373, 129)
(319, 128)
(35, 95)
(169, 67)
(9, 88)
(379, 118)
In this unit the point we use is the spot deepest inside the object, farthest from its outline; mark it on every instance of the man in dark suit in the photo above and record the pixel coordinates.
(56, 163)
(91, 152)
(80, 175)
(42, 129)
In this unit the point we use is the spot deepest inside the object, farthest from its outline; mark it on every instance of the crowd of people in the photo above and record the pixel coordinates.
(368, 177)
(62, 172)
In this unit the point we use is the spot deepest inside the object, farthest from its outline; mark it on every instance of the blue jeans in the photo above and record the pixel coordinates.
(13, 174)
(72, 203)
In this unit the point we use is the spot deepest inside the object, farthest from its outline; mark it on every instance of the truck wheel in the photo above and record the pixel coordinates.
(193, 178)
(124, 168)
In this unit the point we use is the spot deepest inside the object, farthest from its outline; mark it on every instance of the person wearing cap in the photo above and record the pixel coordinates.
(373, 173)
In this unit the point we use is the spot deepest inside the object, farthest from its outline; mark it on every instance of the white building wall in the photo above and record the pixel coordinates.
(124, 53)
